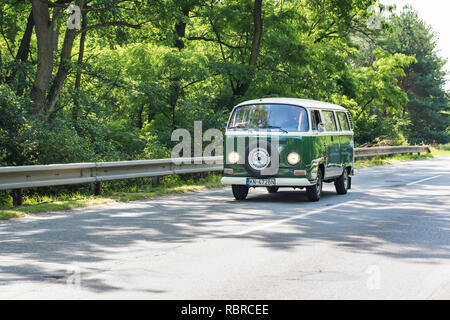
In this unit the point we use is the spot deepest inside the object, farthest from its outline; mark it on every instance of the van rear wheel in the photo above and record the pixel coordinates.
(272, 189)
(342, 183)
(240, 192)
(314, 192)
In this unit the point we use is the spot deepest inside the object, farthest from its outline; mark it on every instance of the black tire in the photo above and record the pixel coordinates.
(314, 192)
(273, 189)
(240, 192)
(342, 183)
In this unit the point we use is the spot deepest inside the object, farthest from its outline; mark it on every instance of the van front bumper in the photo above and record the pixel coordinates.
(279, 182)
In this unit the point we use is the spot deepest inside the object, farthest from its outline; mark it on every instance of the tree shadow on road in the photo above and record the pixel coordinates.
(382, 222)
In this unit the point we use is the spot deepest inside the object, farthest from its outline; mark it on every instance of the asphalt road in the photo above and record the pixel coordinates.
(389, 238)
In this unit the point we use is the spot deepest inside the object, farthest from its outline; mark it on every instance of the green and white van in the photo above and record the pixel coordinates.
(286, 142)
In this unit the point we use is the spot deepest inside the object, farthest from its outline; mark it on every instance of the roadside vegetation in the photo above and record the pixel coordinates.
(436, 151)
(36, 203)
(116, 87)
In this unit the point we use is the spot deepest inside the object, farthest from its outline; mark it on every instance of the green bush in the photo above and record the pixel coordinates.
(56, 141)
(378, 130)
(99, 137)
(5, 199)
(125, 140)
(154, 148)
(12, 124)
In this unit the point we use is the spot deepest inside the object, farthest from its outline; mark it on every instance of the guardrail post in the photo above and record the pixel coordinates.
(199, 176)
(96, 188)
(16, 194)
(155, 181)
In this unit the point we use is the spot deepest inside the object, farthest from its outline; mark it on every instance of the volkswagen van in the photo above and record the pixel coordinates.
(285, 142)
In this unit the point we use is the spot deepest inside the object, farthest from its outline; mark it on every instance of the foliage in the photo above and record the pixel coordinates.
(384, 160)
(375, 130)
(136, 70)
(113, 191)
(55, 142)
(428, 107)
(12, 123)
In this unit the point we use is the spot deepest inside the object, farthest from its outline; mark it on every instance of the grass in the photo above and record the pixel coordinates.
(440, 152)
(36, 203)
(56, 205)
(172, 184)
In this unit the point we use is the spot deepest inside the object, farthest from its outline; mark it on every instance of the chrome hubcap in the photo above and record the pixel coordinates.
(346, 179)
(319, 185)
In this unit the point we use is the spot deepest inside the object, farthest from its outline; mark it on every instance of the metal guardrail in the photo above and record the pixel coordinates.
(15, 178)
(388, 150)
(91, 172)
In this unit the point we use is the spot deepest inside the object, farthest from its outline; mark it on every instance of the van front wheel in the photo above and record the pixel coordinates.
(240, 192)
(342, 183)
(314, 192)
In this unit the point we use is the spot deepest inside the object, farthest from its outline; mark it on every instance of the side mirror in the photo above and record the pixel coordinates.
(320, 127)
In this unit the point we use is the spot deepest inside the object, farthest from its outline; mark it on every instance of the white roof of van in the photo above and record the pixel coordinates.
(296, 102)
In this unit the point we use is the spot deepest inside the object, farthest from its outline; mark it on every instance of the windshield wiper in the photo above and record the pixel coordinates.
(238, 125)
(275, 127)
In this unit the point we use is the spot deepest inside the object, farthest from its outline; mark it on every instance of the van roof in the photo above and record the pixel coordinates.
(306, 103)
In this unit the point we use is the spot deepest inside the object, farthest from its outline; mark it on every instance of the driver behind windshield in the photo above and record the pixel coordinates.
(272, 117)
(285, 117)
(290, 120)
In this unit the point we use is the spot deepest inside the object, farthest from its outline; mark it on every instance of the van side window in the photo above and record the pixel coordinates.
(328, 121)
(315, 119)
(343, 122)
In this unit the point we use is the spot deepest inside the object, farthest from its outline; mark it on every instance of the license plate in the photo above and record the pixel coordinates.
(261, 182)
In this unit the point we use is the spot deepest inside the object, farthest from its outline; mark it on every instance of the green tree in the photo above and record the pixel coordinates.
(428, 108)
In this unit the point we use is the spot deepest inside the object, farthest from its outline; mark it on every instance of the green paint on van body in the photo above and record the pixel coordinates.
(333, 151)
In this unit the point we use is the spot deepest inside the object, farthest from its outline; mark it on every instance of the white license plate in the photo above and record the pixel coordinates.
(261, 182)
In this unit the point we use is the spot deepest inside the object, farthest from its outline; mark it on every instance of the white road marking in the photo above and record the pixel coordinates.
(268, 225)
(422, 180)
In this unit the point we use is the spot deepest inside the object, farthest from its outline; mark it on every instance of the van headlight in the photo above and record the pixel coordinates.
(293, 158)
(233, 157)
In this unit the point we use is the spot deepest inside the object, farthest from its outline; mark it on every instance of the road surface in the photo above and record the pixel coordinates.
(388, 238)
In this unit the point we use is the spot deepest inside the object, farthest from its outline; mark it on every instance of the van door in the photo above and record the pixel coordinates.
(318, 146)
(334, 166)
(345, 138)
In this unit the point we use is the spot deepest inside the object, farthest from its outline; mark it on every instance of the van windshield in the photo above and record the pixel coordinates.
(270, 117)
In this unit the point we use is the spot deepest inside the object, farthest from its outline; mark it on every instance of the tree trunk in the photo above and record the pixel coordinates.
(180, 32)
(44, 35)
(241, 88)
(140, 121)
(24, 48)
(22, 53)
(173, 98)
(63, 68)
(76, 105)
(258, 26)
